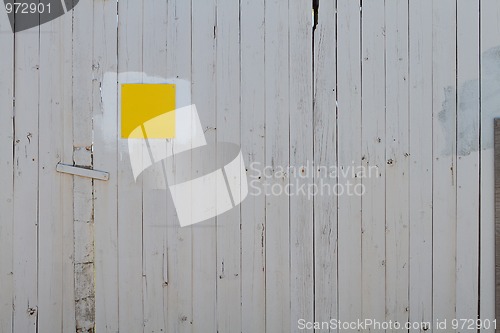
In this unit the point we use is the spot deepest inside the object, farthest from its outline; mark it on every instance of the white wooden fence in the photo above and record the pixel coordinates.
(408, 86)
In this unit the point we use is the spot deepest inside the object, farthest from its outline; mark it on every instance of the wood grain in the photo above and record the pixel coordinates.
(420, 168)
(228, 130)
(6, 176)
(497, 216)
(444, 151)
(349, 154)
(55, 206)
(489, 42)
(409, 87)
(277, 101)
(26, 163)
(253, 143)
(397, 153)
(373, 131)
(325, 155)
(301, 156)
(104, 57)
(179, 245)
(204, 23)
(129, 210)
(468, 175)
(154, 198)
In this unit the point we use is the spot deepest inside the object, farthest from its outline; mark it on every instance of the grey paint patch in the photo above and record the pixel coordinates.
(467, 128)
(468, 118)
(446, 117)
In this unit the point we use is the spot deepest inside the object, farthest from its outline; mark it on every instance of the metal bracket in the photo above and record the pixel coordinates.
(82, 172)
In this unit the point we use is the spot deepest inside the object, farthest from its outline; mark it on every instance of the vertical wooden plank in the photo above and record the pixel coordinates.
(82, 156)
(130, 296)
(497, 213)
(420, 129)
(68, 243)
(444, 159)
(105, 158)
(55, 190)
(204, 96)
(27, 64)
(179, 308)
(228, 130)
(373, 143)
(301, 157)
(349, 155)
(253, 210)
(277, 154)
(7, 173)
(467, 275)
(154, 254)
(489, 62)
(154, 198)
(397, 156)
(325, 157)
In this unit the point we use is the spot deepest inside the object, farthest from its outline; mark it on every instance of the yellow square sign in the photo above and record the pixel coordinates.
(148, 111)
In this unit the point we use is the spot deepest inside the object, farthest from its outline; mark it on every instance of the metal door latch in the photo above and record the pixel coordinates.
(82, 172)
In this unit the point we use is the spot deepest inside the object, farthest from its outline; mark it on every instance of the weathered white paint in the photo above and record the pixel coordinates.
(130, 207)
(204, 284)
(301, 154)
(179, 247)
(325, 153)
(105, 158)
(397, 241)
(376, 85)
(228, 126)
(444, 180)
(55, 200)
(7, 176)
(154, 201)
(489, 42)
(349, 153)
(467, 168)
(373, 130)
(26, 154)
(253, 127)
(277, 119)
(84, 227)
(420, 131)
